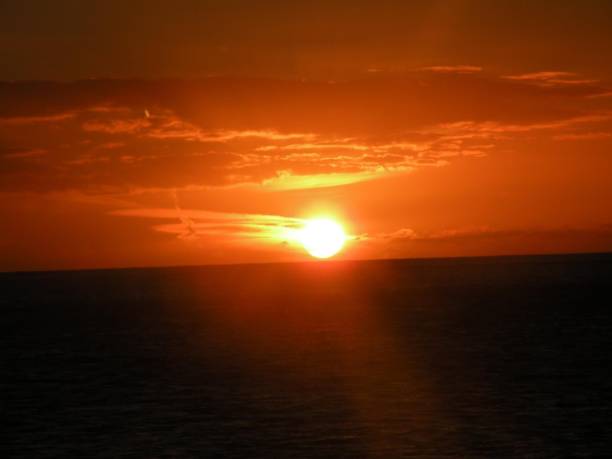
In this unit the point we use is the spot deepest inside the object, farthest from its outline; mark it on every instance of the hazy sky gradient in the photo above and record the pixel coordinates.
(156, 133)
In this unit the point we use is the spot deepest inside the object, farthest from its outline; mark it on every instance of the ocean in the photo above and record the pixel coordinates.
(467, 358)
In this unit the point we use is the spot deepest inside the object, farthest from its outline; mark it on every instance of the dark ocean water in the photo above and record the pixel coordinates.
(472, 358)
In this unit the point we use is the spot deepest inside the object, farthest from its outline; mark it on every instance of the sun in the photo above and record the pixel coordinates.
(322, 237)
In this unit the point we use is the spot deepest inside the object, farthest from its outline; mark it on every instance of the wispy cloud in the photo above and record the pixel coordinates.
(405, 235)
(492, 128)
(584, 136)
(21, 154)
(192, 224)
(121, 126)
(36, 119)
(601, 95)
(548, 79)
(465, 69)
(287, 135)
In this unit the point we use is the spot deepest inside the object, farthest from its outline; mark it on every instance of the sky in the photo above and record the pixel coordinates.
(192, 132)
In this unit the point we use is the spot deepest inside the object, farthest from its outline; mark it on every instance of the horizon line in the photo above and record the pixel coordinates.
(335, 261)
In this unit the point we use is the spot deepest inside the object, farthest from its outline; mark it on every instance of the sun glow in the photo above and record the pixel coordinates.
(322, 237)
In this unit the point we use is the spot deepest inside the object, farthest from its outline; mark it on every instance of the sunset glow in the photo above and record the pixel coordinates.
(306, 229)
(219, 129)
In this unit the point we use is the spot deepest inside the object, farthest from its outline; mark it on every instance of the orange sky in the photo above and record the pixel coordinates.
(197, 133)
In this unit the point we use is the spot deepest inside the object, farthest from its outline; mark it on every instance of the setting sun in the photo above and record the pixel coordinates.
(322, 237)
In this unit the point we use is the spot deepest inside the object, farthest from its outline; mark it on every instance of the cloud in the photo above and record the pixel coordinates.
(549, 79)
(584, 136)
(180, 130)
(465, 69)
(188, 224)
(192, 224)
(35, 119)
(21, 154)
(287, 180)
(127, 126)
(601, 94)
(474, 241)
(222, 132)
(496, 130)
(401, 234)
(409, 234)
(111, 145)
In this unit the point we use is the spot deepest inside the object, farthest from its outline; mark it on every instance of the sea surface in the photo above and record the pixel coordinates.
(467, 358)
